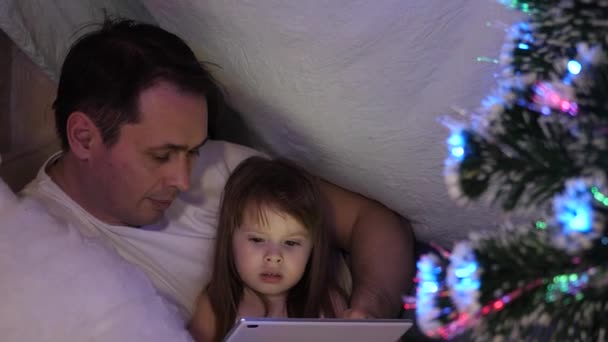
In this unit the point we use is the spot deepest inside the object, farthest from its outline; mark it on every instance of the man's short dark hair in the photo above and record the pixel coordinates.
(106, 70)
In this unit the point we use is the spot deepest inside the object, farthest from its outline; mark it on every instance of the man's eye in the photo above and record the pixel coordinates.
(291, 243)
(162, 158)
(255, 239)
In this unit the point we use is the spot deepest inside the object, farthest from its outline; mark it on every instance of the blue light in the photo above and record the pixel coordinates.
(466, 285)
(463, 272)
(523, 46)
(545, 110)
(429, 286)
(456, 142)
(604, 240)
(576, 216)
(458, 152)
(574, 67)
(581, 222)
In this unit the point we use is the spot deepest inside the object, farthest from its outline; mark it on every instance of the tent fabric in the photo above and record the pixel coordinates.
(351, 89)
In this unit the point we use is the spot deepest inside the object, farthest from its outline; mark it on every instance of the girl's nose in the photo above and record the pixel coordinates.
(273, 258)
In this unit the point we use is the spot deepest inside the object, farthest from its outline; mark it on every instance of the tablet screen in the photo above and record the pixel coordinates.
(320, 330)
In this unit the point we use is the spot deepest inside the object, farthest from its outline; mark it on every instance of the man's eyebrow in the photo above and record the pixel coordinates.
(176, 147)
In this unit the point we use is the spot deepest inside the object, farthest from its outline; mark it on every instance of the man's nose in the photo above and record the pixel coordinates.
(179, 176)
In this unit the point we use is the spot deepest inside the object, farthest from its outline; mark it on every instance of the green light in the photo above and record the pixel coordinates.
(600, 197)
(579, 296)
(487, 59)
(541, 225)
(573, 277)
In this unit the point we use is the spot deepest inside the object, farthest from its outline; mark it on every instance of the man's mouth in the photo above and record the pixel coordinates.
(161, 204)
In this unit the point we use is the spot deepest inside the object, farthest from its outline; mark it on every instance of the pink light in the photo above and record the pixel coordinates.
(498, 304)
(485, 310)
(409, 306)
(565, 106)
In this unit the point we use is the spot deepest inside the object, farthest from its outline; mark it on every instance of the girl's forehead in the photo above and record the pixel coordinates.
(268, 219)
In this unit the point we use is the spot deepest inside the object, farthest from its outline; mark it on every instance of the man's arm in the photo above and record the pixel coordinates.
(381, 248)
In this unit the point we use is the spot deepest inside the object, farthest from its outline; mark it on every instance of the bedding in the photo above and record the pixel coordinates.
(7, 197)
(47, 267)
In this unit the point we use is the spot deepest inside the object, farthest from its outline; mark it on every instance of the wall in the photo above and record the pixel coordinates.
(27, 135)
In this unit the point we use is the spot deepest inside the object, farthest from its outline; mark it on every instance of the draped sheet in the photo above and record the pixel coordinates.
(350, 88)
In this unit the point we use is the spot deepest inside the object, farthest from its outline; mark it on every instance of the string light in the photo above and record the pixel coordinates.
(573, 208)
(598, 196)
(486, 59)
(456, 144)
(574, 67)
(567, 284)
(547, 98)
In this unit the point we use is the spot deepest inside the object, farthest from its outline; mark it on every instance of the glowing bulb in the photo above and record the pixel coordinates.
(581, 222)
(574, 67)
(458, 152)
(429, 286)
(466, 271)
(523, 46)
(545, 110)
(456, 140)
(498, 305)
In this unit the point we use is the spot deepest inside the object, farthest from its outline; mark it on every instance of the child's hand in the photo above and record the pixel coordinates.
(355, 314)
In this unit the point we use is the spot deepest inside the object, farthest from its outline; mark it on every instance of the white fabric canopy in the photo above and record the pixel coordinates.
(352, 89)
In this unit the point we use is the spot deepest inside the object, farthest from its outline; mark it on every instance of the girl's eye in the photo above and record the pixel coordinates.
(256, 239)
(291, 243)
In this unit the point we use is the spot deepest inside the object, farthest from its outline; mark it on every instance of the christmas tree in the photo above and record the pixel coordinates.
(538, 149)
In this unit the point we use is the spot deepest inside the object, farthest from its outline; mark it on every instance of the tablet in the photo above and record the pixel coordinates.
(319, 330)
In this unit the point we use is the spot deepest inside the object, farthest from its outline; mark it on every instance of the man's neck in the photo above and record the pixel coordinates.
(64, 172)
(58, 174)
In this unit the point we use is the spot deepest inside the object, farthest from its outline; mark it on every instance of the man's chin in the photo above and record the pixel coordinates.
(150, 218)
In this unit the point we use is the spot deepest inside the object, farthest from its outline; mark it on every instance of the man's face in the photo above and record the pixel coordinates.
(140, 176)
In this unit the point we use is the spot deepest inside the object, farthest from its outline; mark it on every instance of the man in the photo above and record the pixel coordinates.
(138, 172)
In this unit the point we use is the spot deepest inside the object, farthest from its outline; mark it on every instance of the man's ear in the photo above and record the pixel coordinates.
(82, 134)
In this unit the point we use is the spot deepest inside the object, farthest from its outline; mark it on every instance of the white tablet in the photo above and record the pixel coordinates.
(319, 330)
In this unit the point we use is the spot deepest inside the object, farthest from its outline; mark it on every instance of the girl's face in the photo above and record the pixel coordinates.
(271, 253)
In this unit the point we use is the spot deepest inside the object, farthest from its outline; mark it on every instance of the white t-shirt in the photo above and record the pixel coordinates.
(176, 253)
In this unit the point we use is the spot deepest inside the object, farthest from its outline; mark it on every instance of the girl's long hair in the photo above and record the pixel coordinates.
(277, 185)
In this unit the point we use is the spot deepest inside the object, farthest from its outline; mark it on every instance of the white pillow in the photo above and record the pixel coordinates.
(57, 285)
(7, 197)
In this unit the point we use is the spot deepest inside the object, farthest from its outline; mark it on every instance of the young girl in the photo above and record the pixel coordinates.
(273, 255)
